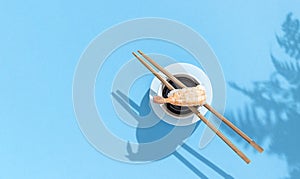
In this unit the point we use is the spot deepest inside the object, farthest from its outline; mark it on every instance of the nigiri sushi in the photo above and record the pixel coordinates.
(190, 96)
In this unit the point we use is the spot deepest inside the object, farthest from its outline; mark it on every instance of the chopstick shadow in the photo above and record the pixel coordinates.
(204, 160)
(159, 130)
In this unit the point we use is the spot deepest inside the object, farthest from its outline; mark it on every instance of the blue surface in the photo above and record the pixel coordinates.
(41, 43)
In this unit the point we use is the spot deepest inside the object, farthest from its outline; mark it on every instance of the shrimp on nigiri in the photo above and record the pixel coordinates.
(189, 96)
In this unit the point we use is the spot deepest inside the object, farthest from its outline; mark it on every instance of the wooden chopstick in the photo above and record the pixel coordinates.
(236, 129)
(210, 108)
(153, 71)
(194, 109)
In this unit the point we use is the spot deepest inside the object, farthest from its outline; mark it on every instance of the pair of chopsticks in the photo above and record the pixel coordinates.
(195, 110)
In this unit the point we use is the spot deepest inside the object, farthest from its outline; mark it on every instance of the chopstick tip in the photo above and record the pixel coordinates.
(133, 53)
(256, 146)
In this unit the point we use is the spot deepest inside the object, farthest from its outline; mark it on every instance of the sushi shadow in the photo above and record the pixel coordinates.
(157, 131)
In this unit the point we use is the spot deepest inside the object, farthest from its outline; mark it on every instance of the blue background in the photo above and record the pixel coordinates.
(41, 43)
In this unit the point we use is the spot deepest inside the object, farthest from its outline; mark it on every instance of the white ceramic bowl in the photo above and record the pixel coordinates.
(187, 70)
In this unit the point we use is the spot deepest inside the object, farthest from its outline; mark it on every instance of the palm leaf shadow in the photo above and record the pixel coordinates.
(274, 110)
